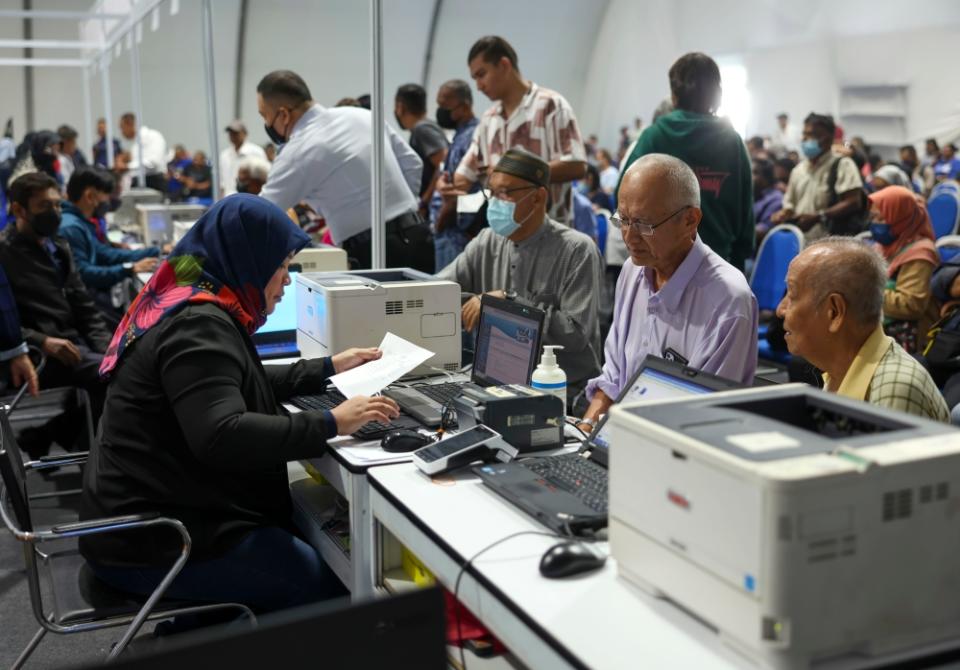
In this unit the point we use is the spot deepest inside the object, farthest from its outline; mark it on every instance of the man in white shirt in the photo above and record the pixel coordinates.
(325, 162)
(230, 157)
(154, 158)
(786, 138)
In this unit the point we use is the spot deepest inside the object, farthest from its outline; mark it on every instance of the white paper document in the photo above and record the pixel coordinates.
(399, 358)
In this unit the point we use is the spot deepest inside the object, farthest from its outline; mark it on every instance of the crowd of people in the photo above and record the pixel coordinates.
(502, 202)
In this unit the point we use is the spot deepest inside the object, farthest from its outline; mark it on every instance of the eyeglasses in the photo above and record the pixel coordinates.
(645, 229)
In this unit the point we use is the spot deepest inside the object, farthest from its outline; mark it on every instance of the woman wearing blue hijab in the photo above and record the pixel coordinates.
(192, 428)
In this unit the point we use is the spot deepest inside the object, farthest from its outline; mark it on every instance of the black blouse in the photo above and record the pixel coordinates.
(192, 429)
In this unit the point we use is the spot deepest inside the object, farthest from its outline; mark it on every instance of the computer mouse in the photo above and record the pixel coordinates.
(403, 439)
(569, 558)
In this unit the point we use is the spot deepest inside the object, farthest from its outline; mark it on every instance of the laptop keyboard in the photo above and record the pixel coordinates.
(442, 393)
(575, 474)
(373, 430)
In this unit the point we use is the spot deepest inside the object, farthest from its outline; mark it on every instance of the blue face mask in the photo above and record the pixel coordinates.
(810, 148)
(500, 216)
(882, 233)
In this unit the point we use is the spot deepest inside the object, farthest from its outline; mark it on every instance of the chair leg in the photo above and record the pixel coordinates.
(28, 650)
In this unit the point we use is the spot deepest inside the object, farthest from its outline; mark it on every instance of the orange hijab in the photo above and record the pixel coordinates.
(906, 214)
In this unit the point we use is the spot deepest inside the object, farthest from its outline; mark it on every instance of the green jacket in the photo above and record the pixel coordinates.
(714, 150)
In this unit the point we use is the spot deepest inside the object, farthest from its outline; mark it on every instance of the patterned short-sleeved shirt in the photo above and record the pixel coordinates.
(543, 123)
(884, 374)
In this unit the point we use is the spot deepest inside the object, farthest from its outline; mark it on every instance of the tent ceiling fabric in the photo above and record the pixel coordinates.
(609, 58)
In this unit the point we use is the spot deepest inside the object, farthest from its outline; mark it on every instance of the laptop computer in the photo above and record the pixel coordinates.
(506, 352)
(568, 493)
(508, 340)
(277, 338)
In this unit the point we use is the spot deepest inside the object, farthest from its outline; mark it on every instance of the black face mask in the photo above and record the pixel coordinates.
(274, 135)
(445, 119)
(101, 210)
(46, 223)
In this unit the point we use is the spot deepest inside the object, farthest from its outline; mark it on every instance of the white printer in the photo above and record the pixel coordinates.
(321, 259)
(804, 526)
(158, 224)
(339, 310)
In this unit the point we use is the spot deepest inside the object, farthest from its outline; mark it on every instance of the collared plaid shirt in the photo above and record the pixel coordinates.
(884, 374)
(543, 123)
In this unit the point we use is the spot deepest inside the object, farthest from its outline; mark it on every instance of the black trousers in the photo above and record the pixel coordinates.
(67, 429)
(409, 243)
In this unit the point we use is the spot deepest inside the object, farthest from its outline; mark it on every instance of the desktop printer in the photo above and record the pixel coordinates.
(526, 418)
(339, 310)
(803, 526)
(159, 224)
(126, 214)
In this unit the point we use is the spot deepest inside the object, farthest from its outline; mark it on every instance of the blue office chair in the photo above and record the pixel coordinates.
(950, 186)
(944, 209)
(948, 247)
(603, 221)
(769, 279)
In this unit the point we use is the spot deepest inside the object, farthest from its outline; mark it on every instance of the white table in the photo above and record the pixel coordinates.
(595, 620)
(347, 474)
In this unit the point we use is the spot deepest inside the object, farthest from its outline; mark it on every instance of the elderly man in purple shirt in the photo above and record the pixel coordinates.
(675, 297)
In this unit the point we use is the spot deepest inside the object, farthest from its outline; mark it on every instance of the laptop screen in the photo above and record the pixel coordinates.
(507, 345)
(284, 316)
(650, 384)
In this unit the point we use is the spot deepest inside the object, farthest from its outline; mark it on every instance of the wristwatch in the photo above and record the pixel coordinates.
(590, 422)
(510, 295)
(128, 267)
(823, 216)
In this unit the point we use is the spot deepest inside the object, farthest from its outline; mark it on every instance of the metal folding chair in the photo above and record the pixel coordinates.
(80, 601)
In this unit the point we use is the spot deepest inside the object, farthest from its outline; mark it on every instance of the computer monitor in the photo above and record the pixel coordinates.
(156, 223)
(277, 338)
(659, 379)
(508, 342)
(403, 631)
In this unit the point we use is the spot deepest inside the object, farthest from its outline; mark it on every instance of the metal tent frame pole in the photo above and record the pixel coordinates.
(209, 76)
(377, 225)
(137, 105)
(87, 110)
(107, 109)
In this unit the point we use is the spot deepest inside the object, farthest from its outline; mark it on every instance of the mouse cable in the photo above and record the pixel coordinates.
(468, 563)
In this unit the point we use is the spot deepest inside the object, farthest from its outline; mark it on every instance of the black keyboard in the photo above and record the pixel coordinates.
(575, 474)
(442, 393)
(368, 431)
(327, 400)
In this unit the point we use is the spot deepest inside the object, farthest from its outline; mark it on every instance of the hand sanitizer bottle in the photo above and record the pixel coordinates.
(550, 377)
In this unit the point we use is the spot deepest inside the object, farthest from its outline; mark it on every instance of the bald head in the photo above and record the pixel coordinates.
(669, 176)
(846, 266)
(660, 199)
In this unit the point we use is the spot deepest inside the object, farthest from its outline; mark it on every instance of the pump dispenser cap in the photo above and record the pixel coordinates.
(549, 359)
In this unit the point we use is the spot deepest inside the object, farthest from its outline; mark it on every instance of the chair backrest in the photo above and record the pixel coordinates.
(603, 222)
(948, 247)
(769, 279)
(949, 186)
(14, 475)
(944, 210)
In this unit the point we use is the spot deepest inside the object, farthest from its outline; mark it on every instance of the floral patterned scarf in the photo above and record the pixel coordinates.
(227, 259)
